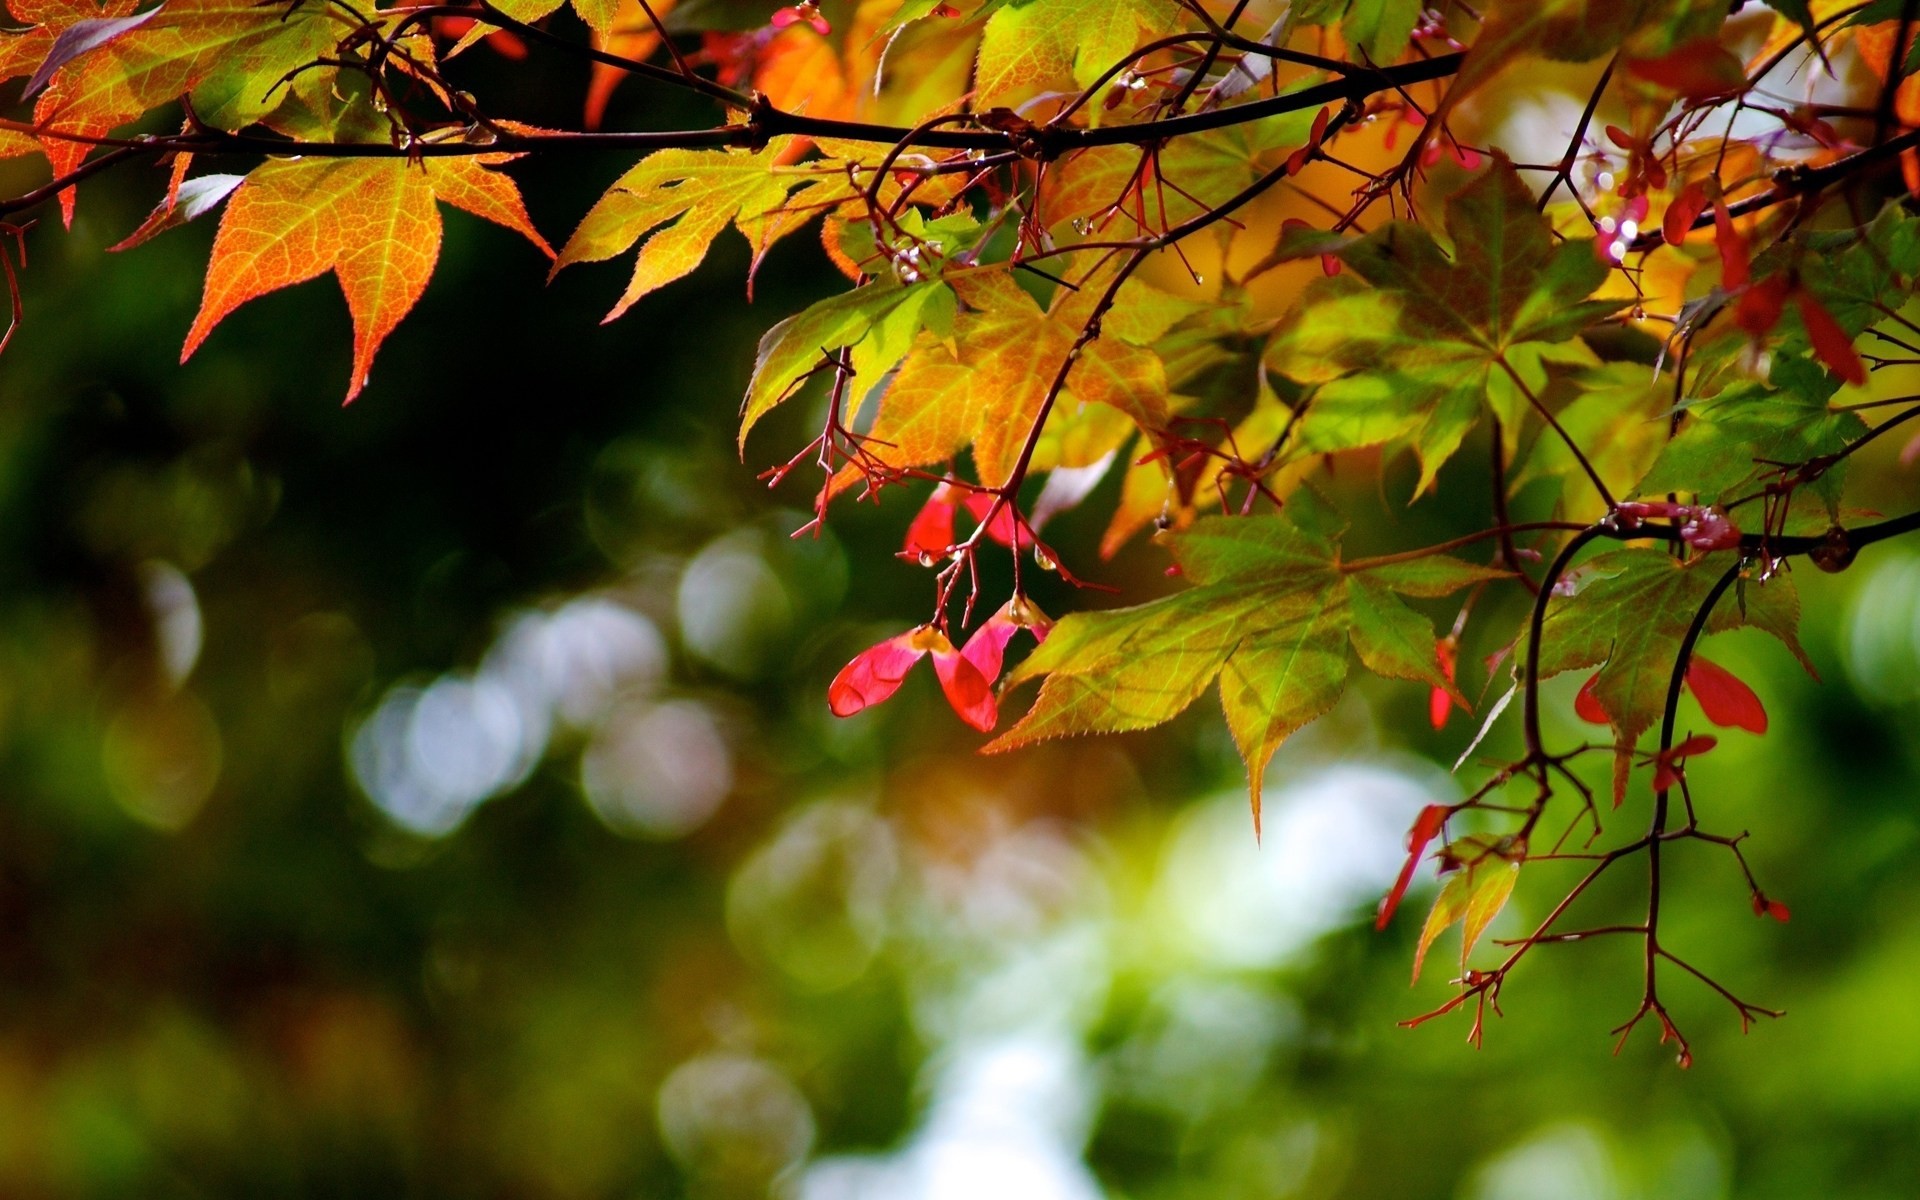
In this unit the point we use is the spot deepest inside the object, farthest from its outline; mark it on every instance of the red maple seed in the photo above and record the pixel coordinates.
(1005, 526)
(1329, 263)
(1667, 767)
(1440, 701)
(1426, 827)
(1760, 308)
(1298, 159)
(1728, 702)
(966, 676)
(1587, 706)
(1699, 69)
(1682, 213)
(1736, 261)
(806, 11)
(876, 673)
(986, 650)
(967, 690)
(931, 533)
(1830, 342)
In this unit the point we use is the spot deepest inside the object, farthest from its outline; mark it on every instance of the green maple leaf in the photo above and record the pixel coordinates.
(1630, 617)
(1732, 443)
(1027, 46)
(1270, 616)
(1380, 28)
(878, 323)
(1410, 343)
(694, 195)
(1474, 893)
(1619, 418)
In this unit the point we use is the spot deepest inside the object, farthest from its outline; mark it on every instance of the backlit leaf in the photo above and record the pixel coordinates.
(694, 194)
(1029, 46)
(986, 383)
(1411, 343)
(229, 56)
(371, 221)
(1474, 893)
(1270, 615)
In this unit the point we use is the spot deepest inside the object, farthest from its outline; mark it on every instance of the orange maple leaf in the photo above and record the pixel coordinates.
(371, 221)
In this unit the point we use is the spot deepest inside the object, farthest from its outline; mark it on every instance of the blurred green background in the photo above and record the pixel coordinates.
(437, 797)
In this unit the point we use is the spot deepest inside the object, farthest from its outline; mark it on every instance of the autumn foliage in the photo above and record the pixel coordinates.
(1188, 262)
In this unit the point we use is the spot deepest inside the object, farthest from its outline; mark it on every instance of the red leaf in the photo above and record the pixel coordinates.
(1778, 911)
(1439, 703)
(1682, 213)
(1759, 309)
(932, 530)
(1666, 764)
(1736, 262)
(1426, 827)
(1586, 705)
(1298, 158)
(1622, 138)
(1696, 69)
(1005, 527)
(806, 11)
(876, 672)
(1727, 701)
(987, 648)
(1830, 342)
(967, 689)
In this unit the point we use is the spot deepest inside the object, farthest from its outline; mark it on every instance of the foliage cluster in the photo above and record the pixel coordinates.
(1213, 251)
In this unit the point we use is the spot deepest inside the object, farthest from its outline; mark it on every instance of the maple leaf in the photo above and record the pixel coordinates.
(603, 17)
(1619, 418)
(876, 323)
(373, 222)
(985, 384)
(1729, 442)
(1270, 615)
(1631, 613)
(227, 56)
(1029, 46)
(1481, 873)
(632, 36)
(1411, 343)
(1380, 28)
(695, 194)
